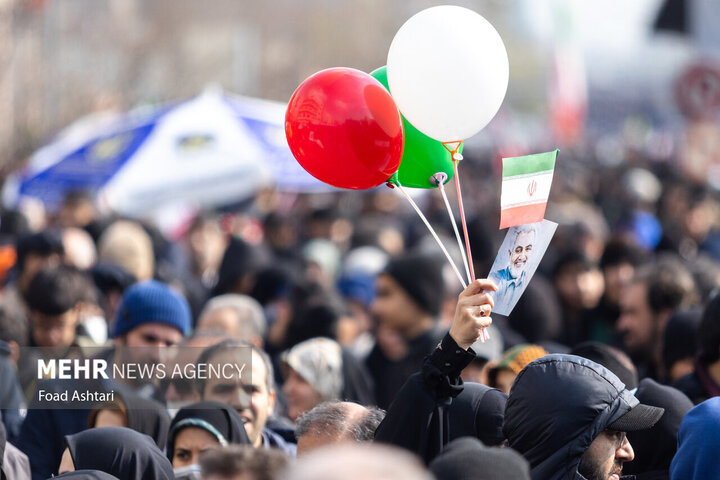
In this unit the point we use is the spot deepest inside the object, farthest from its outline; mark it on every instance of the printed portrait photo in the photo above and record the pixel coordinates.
(517, 260)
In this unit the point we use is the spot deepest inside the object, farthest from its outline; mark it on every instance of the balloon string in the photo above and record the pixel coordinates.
(484, 335)
(432, 231)
(453, 148)
(462, 219)
(455, 229)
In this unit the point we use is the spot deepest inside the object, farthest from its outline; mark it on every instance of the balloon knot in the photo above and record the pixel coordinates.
(438, 178)
(389, 185)
(457, 156)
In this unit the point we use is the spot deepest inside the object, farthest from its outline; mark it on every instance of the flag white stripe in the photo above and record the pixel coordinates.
(515, 190)
(524, 204)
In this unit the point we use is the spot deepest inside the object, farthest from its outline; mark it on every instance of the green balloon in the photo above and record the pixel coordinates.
(423, 157)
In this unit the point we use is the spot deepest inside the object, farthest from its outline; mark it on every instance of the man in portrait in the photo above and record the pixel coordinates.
(513, 278)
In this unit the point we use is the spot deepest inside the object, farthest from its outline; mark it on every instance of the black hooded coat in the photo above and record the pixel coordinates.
(435, 407)
(557, 406)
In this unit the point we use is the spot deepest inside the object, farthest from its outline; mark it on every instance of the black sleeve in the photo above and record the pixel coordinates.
(416, 417)
(441, 369)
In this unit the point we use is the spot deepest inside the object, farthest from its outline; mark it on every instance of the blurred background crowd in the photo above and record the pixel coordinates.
(342, 293)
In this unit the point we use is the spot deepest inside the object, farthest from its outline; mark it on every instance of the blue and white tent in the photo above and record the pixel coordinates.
(212, 150)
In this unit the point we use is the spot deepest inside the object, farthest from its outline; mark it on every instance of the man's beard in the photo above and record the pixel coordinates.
(593, 471)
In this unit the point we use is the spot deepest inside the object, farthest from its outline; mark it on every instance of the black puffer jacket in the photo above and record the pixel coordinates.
(557, 406)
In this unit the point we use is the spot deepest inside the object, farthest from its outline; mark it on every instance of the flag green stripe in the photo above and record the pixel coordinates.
(539, 162)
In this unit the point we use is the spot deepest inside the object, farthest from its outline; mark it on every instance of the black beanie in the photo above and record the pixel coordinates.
(680, 336)
(467, 458)
(421, 277)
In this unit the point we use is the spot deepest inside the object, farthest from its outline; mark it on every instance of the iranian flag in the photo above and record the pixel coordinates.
(525, 188)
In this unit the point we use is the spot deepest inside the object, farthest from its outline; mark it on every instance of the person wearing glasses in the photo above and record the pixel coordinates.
(568, 416)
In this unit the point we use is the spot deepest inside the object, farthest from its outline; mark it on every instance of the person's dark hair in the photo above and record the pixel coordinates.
(240, 259)
(620, 250)
(572, 258)
(709, 331)
(611, 358)
(333, 418)
(316, 313)
(273, 283)
(13, 223)
(232, 461)
(326, 214)
(669, 284)
(706, 272)
(14, 325)
(55, 290)
(44, 243)
(109, 277)
(207, 355)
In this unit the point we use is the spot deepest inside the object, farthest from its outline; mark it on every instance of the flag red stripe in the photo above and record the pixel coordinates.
(509, 217)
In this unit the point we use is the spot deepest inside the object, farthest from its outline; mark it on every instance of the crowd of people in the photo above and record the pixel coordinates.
(366, 357)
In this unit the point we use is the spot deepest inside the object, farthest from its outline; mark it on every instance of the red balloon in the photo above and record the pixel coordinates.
(344, 128)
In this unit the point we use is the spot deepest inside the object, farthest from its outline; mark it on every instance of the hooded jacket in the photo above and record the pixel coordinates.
(556, 407)
(435, 406)
(698, 443)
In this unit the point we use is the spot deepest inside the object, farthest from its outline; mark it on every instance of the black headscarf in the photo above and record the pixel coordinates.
(119, 451)
(655, 448)
(221, 418)
(239, 260)
(358, 385)
(143, 415)
(86, 475)
(467, 458)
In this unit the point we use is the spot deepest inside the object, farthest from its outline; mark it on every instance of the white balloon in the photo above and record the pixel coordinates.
(448, 72)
